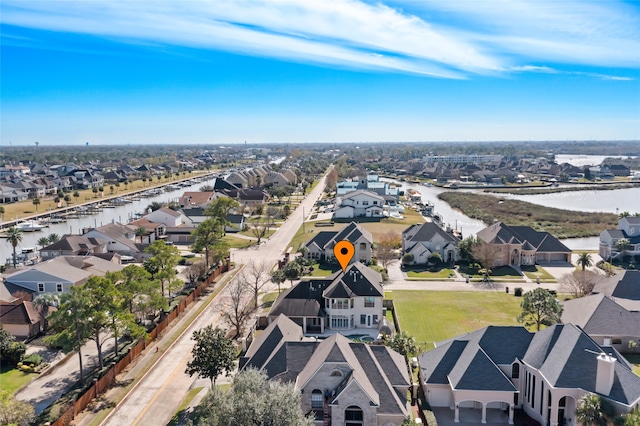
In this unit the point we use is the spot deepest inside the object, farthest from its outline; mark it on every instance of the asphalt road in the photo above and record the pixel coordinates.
(155, 399)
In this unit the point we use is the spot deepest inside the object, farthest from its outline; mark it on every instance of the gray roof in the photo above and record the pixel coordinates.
(357, 280)
(352, 232)
(426, 231)
(75, 243)
(624, 288)
(378, 370)
(564, 354)
(598, 314)
(500, 233)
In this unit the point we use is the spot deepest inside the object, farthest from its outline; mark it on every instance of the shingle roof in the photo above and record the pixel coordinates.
(426, 231)
(357, 280)
(352, 232)
(597, 314)
(500, 233)
(624, 288)
(19, 313)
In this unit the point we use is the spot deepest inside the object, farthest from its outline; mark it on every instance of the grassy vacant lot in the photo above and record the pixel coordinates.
(431, 316)
(559, 223)
(504, 273)
(237, 242)
(11, 379)
(548, 190)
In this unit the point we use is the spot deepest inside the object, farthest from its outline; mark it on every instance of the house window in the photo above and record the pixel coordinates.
(365, 203)
(616, 341)
(40, 287)
(363, 246)
(369, 302)
(59, 287)
(351, 302)
(316, 399)
(339, 321)
(337, 373)
(375, 319)
(340, 304)
(353, 416)
(351, 323)
(363, 319)
(515, 371)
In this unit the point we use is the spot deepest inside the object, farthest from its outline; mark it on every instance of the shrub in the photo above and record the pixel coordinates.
(33, 360)
(14, 353)
(26, 369)
(517, 292)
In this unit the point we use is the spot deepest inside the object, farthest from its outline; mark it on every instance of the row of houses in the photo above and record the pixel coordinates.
(474, 378)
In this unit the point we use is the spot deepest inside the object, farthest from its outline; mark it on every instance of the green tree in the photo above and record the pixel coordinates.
(141, 233)
(45, 302)
(76, 195)
(14, 412)
(631, 419)
(213, 354)
(403, 344)
(142, 296)
(14, 236)
(43, 242)
(407, 259)
(2, 210)
(53, 238)
(206, 235)
(6, 339)
(67, 198)
(36, 202)
(539, 307)
(623, 245)
(219, 209)
(277, 277)
(252, 400)
(291, 271)
(465, 247)
(71, 331)
(164, 260)
(589, 411)
(584, 260)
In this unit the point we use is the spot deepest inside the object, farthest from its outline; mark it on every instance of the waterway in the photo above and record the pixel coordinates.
(610, 201)
(120, 214)
(580, 160)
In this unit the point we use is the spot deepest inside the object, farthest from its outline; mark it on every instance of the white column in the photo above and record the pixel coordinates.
(511, 410)
(304, 325)
(484, 412)
(322, 325)
(456, 417)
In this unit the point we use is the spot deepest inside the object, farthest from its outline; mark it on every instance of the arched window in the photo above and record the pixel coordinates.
(316, 399)
(353, 416)
(336, 373)
(515, 371)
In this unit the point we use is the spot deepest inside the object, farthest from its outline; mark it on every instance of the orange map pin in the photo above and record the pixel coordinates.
(344, 251)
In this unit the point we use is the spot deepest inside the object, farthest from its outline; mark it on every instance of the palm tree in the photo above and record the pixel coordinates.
(141, 232)
(14, 236)
(36, 202)
(589, 411)
(53, 238)
(584, 260)
(67, 199)
(1, 213)
(43, 242)
(44, 302)
(76, 194)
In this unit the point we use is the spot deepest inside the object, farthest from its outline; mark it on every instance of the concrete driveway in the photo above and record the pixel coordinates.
(471, 417)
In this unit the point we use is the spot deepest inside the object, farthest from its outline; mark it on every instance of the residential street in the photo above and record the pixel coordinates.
(157, 396)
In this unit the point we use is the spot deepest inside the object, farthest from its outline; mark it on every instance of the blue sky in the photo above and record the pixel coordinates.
(219, 71)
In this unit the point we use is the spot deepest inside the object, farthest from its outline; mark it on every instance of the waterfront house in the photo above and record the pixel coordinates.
(120, 239)
(341, 382)
(523, 245)
(69, 245)
(168, 217)
(359, 203)
(426, 238)
(629, 229)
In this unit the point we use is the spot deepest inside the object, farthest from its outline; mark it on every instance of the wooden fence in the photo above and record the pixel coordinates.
(104, 382)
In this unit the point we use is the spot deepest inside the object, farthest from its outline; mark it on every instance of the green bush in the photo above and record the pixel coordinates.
(15, 353)
(33, 360)
(26, 368)
(517, 292)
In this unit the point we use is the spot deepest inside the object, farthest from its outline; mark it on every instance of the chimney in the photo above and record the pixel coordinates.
(605, 373)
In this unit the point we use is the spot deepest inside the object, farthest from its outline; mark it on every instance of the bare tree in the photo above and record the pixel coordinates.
(256, 276)
(579, 283)
(485, 255)
(264, 223)
(235, 309)
(195, 271)
(386, 247)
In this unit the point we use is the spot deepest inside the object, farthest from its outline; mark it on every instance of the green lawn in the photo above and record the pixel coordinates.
(499, 273)
(536, 271)
(324, 269)
(431, 316)
(11, 379)
(249, 233)
(422, 273)
(236, 242)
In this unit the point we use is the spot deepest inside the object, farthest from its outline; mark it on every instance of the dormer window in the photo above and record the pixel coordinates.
(515, 371)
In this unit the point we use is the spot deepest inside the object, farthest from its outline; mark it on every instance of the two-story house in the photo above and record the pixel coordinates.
(628, 229)
(426, 238)
(343, 301)
(488, 373)
(360, 203)
(320, 247)
(341, 382)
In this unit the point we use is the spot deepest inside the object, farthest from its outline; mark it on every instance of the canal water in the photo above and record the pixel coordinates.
(610, 201)
(120, 214)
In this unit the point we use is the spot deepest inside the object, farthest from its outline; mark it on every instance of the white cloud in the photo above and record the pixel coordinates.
(499, 36)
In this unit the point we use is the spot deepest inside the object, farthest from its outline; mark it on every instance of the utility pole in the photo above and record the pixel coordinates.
(303, 230)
